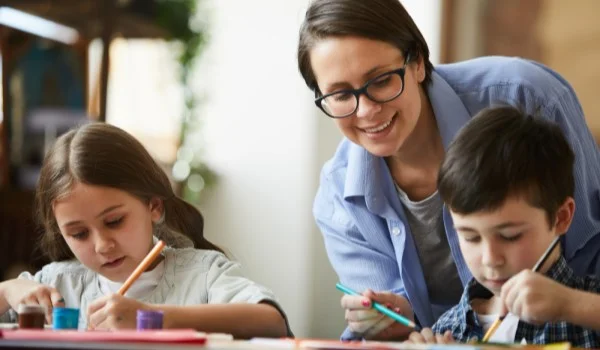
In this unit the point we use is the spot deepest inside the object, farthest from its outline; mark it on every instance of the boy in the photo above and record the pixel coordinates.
(507, 180)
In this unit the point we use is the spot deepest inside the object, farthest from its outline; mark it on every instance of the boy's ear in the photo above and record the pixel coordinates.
(156, 209)
(564, 216)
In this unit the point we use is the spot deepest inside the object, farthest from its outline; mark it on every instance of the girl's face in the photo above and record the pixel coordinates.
(348, 63)
(108, 230)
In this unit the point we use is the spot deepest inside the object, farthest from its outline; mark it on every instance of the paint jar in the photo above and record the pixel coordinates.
(149, 319)
(31, 316)
(65, 318)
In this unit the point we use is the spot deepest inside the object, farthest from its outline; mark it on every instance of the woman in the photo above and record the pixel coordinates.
(384, 225)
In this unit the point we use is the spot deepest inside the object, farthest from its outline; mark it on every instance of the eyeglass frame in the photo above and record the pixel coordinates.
(363, 90)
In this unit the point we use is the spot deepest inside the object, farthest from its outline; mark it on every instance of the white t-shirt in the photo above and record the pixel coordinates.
(145, 284)
(190, 277)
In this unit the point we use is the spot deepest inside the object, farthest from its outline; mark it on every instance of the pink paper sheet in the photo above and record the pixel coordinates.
(147, 336)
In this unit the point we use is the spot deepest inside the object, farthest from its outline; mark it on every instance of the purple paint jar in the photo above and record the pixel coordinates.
(149, 319)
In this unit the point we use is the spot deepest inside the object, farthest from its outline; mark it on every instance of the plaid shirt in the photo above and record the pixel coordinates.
(463, 322)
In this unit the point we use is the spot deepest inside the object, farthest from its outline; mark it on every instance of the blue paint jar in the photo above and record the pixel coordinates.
(65, 318)
(149, 319)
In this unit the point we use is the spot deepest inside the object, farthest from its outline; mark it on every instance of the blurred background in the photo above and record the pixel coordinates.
(212, 89)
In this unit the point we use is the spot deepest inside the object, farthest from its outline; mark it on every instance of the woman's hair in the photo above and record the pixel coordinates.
(100, 154)
(383, 20)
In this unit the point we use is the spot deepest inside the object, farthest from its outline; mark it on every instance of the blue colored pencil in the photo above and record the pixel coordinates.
(377, 306)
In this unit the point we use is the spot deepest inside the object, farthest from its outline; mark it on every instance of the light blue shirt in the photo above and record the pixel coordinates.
(361, 218)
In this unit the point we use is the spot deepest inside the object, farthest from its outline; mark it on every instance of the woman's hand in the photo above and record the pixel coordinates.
(114, 312)
(371, 324)
(22, 291)
(426, 336)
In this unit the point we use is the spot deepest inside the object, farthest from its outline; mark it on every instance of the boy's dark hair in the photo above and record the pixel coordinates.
(383, 20)
(503, 152)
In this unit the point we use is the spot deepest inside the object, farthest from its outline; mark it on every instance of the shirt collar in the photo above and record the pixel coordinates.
(450, 112)
(560, 271)
(466, 318)
(368, 176)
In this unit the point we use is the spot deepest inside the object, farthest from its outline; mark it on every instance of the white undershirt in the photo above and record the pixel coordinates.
(486, 321)
(507, 330)
(141, 287)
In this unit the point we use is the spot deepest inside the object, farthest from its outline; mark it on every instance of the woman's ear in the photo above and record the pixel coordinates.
(564, 216)
(419, 67)
(157, 209)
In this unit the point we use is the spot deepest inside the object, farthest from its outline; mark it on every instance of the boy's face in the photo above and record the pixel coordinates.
(499, 244)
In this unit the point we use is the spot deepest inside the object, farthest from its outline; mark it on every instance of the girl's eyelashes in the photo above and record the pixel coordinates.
(80, 235)
(115, 222)
(472, 239)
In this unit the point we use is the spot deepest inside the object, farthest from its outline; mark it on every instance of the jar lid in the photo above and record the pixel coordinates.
(33, 308)
(65, 311)
(158, 315)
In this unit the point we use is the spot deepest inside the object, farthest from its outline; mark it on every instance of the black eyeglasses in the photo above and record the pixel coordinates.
(383, 88)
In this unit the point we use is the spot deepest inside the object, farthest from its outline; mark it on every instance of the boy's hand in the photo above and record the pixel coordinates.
(535, 298)
(371, 324)
(426, 336)
(114, 312)
(22, 291)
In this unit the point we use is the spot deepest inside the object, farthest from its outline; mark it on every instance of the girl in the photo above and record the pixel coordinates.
(103, 201)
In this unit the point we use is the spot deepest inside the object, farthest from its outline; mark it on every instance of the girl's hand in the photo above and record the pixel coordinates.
(370, 323)
(426, 336)
(22, 291)
(114, 312)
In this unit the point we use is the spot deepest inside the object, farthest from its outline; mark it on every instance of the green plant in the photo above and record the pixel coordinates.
(177, 18)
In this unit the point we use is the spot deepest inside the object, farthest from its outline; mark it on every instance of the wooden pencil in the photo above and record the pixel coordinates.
(148, 260)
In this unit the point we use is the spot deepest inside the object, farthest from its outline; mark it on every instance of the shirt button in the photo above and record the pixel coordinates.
(395, 231)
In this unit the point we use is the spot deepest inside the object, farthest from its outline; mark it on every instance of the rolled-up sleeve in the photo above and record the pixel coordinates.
(226, 284)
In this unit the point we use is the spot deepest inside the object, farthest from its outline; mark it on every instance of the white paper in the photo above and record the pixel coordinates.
(505, 333)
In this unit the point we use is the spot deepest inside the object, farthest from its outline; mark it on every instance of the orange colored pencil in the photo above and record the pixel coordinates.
(492, 329)
(148, 260)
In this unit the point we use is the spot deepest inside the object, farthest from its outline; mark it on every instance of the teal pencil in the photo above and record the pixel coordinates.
(384, 310)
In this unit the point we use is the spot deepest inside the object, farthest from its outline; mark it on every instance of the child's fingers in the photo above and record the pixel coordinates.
(44, 300)
(94, 312)
(416, 338)
(448, 338)
(96, 305)
(445, 338)
(57, 299)
(96, 318)
(428, 335)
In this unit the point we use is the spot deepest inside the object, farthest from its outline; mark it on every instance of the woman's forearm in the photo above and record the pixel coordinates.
(241, 320)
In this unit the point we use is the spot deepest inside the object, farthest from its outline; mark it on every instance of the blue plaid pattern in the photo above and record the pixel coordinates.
(462, 321)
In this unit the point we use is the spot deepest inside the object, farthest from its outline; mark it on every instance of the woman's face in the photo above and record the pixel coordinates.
(348, 63)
